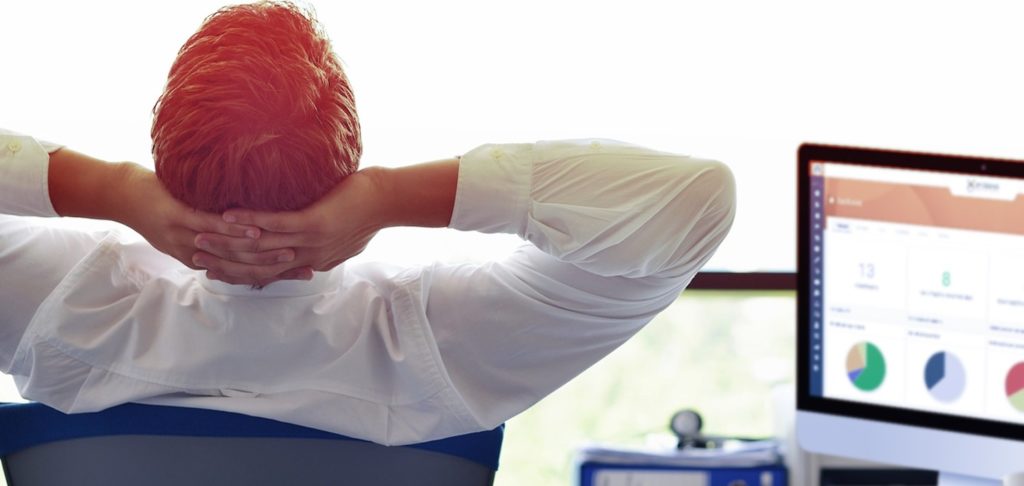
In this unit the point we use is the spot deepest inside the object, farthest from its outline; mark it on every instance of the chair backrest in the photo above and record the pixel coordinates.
(154, 445)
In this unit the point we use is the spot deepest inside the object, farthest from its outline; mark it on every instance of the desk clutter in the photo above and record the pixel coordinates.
(695, 460)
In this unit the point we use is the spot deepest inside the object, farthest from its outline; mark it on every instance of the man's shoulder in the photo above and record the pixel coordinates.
(118, 265)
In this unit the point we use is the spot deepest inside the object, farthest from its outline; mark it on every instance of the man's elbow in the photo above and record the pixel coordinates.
(721, 203)
(708, 199)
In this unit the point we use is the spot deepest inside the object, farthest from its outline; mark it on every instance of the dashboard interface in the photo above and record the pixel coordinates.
(916, 289)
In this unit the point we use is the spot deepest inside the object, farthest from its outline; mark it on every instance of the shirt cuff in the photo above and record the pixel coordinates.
(50, 147)
(24, 167)
(493, 189)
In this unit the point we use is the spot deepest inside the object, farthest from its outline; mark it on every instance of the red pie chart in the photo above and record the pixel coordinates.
(1015, 386)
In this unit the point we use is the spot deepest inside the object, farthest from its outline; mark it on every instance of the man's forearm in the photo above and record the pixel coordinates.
(130, 194)
(83, 186)
(418, 195)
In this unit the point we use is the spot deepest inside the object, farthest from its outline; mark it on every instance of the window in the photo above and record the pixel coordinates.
(718, 352)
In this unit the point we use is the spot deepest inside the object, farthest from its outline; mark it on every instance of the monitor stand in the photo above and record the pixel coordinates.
(950, 479)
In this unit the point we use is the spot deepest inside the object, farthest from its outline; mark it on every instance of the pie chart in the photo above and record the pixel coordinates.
(865, 366)
(1015, 386)
(945, 377)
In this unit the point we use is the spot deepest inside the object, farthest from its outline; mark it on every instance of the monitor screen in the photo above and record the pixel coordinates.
(912, 289)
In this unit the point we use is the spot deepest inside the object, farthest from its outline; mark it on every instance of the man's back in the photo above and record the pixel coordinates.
(388, 354)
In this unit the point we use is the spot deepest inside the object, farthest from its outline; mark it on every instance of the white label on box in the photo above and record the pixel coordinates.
(650, 478)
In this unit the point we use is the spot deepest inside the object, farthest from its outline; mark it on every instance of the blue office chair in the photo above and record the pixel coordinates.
(156, 446)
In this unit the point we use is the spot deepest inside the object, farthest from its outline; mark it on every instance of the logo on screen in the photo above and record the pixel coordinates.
(977, 185)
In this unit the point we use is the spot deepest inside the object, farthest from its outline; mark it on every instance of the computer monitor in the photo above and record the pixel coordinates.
(911, 310)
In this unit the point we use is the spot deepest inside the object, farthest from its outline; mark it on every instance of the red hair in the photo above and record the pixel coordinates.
(257, 113)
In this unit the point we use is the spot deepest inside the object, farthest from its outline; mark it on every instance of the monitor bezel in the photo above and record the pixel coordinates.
(946, 163)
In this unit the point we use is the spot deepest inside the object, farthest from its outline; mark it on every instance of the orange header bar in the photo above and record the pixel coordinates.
(921, 205)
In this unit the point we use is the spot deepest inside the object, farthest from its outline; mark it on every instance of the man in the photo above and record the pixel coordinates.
(393, 355)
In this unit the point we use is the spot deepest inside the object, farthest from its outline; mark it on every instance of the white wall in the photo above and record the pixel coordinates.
(741, 81)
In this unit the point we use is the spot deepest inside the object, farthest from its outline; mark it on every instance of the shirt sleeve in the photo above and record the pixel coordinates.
(24, 162)
(34, 259)
(617, 231)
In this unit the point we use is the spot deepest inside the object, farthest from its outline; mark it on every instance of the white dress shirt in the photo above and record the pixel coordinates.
(389, 354)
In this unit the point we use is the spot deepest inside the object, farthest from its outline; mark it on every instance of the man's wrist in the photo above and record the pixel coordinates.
(381, 204)
(120, 203)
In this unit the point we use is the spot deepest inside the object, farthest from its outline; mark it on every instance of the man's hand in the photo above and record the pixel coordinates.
(171, 226)
(83, 186)
(321, 236)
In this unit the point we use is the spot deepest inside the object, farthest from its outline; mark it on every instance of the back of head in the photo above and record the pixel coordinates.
(257, 113)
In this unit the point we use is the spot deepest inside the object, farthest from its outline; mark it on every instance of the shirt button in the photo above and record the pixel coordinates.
(497, 153)
(14, 146)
